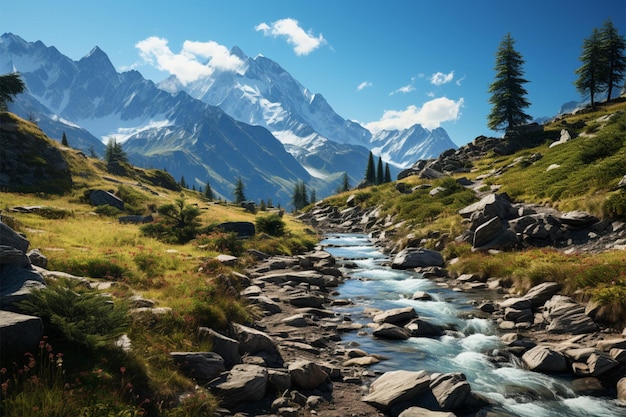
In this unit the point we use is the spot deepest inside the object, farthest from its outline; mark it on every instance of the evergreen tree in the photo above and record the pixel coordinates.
(239, 195)
(370, 172)
(262, 205)
(387, 174)
(380, 174)
(613, 46)
(64, 140)
(345, 183)
(182, 182)
(10, 86)
(313, 197)
(270, 204)
(114, 153)
(507, 92)
(92, 152)
(592, 72)
(208, 192)
(299, 198)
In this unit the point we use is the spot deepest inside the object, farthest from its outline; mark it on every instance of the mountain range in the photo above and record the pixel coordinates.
(258, 124)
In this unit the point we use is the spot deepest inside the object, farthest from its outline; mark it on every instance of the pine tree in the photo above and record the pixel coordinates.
(387, 174)
(345, 184)
(64, 140)
(92, 152)
(299, 198)
(380, 174)
(592, 73)
(208, 192)
(114, 153)
(370, 172)
(182, 182)
(10, 86)
(507, 92)
(613, 46)
(239, 194)
(313, 197)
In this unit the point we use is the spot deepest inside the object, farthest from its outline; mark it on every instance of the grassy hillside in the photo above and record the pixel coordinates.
(580, 174)
(124, 264)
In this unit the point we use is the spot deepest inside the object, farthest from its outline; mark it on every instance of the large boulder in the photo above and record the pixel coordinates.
(391, 331)
(397, 316)
(19, 333)
(256, 342)
(621, 386)
(395, 387)
(306, 374)
(10, 238)
(492, 205)
(242, 229)
(202, 367)
(539, 294)
(487, 232)
(241, 384)
(450, 390)
(224, 346)
(16, 282)
(567, 316)
(101, 198)
(544, 359)
(417, 258)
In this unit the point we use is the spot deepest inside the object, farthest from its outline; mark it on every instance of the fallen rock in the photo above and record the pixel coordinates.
(252, 341)
(398, 316)
(19, 333)
(450, 390)
(391, 331)
(539, 294)
(396, 386)
(242, 383)
(424, 412)
(417, 258)
(12, 239)
(101, 198)
(544, 359)
(202, 367)
(224, 346)
(567, 316)
(307, 375)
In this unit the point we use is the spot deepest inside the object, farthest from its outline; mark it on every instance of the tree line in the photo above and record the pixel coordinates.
(603, 69)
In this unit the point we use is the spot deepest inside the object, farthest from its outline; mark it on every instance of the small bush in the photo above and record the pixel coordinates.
(92, 267)
(600, 147)
(76, 315)
(273, 225)
(615, 205)
(107, 210)
(224, 242)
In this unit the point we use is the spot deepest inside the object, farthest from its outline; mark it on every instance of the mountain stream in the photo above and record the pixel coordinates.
(517, 391)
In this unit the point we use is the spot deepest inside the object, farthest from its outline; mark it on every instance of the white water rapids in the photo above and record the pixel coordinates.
(516, 390)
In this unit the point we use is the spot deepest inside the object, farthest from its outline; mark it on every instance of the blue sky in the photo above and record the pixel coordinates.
(385, 64)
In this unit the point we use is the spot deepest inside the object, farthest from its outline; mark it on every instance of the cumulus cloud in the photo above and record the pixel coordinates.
(440, 78)
(303, 42)
(430, 115)
(363, 85)
(186, 65)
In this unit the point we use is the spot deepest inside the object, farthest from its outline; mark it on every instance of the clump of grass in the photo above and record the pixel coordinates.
(92, 267)
(272, 224)
(222, 242)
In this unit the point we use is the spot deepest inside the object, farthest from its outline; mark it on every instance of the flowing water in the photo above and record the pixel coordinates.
(518, 391)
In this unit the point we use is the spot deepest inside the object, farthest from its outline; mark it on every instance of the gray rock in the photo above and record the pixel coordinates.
(19, 333)
(595, 365)
(199, 366)
(577, 218)
(589, 386)
(417, 258)
(297, 320)
(424, 412)
(101, 198)
(398, 316)
(492, 205)
(279, 379)
(266, 304)
(450, 390)
(242, 229)
(241, 384)
(422, 328)
(544, 359)
(37, 258)
(13, 256)
(16, 283)
(224, 346)
(422, 296)
(613, 343)
(307, 300)
(10, 238)
(541, 293)
(252, 341)
(391, 331)
(395, 387)
(306, 374)
(567, 316)
(487, 232)
(518, 316)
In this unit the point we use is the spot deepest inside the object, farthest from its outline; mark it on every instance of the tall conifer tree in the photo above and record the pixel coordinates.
(613, 46)
(508, 95)
(592, 73)
(370, 171)
(380, 174)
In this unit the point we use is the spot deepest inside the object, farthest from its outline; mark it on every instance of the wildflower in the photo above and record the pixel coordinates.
(41, 344)
(122, 370)
(5, 387)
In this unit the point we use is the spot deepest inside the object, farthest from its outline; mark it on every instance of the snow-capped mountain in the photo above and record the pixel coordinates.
(159, 129)
(404, 147)
(269, 129)
(263, 93)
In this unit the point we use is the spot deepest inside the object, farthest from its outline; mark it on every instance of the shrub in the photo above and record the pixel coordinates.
(92, 267)
(178, 224)
(224, 242)
(600, 147)
(77, 315)
(615, 205)
(107, 210)
(273, 225)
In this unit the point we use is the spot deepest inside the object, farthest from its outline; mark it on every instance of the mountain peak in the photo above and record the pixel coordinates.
(235, 50)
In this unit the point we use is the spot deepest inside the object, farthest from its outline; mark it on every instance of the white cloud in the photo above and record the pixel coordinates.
(430, 115)
(363, 85)
(186, 65)
(440, 78)
(404, 89)
(459, 81)
(303, 42)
